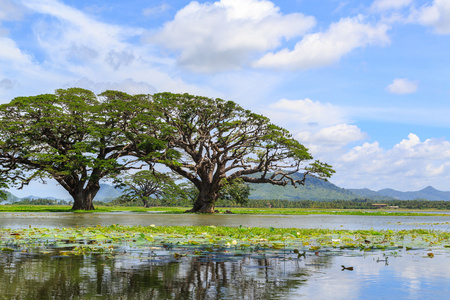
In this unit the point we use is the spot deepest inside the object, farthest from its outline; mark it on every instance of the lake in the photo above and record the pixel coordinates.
(182, 272)
(349, 222)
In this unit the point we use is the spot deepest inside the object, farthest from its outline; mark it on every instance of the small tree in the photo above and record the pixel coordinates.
(72, 136)
(145, 185)
(236, 192)
(218, 142)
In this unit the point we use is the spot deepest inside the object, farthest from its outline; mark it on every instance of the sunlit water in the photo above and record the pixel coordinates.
(394, 274)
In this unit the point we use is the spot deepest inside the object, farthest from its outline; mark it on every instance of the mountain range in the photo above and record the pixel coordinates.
(314, 189)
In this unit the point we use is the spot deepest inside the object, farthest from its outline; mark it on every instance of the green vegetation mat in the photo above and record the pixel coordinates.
(200, 240)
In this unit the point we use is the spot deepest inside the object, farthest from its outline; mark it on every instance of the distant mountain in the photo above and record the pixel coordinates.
(107, 193)
(314, 189)
(428, 193)
(31, 197)
(9, 197)
(369, 194)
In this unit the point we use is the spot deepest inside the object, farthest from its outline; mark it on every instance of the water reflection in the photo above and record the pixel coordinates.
(37, 276)
(407, 275)
(58, 220)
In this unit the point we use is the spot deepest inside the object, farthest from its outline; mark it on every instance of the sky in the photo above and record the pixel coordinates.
(363, 84)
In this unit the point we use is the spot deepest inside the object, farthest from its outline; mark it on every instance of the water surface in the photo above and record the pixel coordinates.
(350, 222)
(160, 274)
(405, 275)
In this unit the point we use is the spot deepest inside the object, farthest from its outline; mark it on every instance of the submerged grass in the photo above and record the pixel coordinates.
(235, 210)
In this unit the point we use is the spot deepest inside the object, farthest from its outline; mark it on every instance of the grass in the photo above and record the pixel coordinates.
(235, 210)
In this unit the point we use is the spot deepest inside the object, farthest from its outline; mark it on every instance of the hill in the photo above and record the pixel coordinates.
(9, 197)
(428, 193)
(107, 193)
(314, 189)
(369, 194)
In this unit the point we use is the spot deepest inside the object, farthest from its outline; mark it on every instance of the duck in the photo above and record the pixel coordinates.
(346, 268)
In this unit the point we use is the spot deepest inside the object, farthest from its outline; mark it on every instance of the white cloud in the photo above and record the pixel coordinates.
(326, 130)
(74, 45)
(402, 86)
(325, 48)
(436, 15)
(224, 35)
(323, 128)
(382, 5)
(69, 40)
(306, 112)
(10, 53)
(409, 165)
(337, 136)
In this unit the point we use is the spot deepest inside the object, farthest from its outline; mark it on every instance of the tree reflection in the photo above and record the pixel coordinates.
(250, 276)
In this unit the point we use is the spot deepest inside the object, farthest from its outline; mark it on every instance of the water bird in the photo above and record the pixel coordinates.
(346, 268)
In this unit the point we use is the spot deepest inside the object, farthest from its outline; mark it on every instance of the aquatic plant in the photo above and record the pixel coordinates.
(184, 240)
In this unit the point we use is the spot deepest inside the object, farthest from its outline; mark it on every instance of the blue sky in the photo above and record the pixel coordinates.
(363, 84)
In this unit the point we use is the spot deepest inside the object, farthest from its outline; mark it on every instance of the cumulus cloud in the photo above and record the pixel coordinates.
(322, 127)
(416, 164)
(224, 35)
(402, 86)
(306, 112)
(436, 15)
(335, 136)
(325, 48)
(73, 45)
(328, 132)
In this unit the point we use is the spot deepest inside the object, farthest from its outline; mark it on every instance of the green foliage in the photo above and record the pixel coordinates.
(72, 136)
(78, 138)
(40, 201)
(349, 204)
(218, 142)
(234, 193)
(150, 187)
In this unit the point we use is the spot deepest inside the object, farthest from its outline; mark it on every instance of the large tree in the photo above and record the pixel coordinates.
(219, 142)
(72, 136)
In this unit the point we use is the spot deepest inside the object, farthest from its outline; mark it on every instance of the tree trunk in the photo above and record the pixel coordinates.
(83, 199)
(205, 202)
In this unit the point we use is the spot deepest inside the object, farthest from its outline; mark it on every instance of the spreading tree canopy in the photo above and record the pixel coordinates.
(218, 142)
(72, 136)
